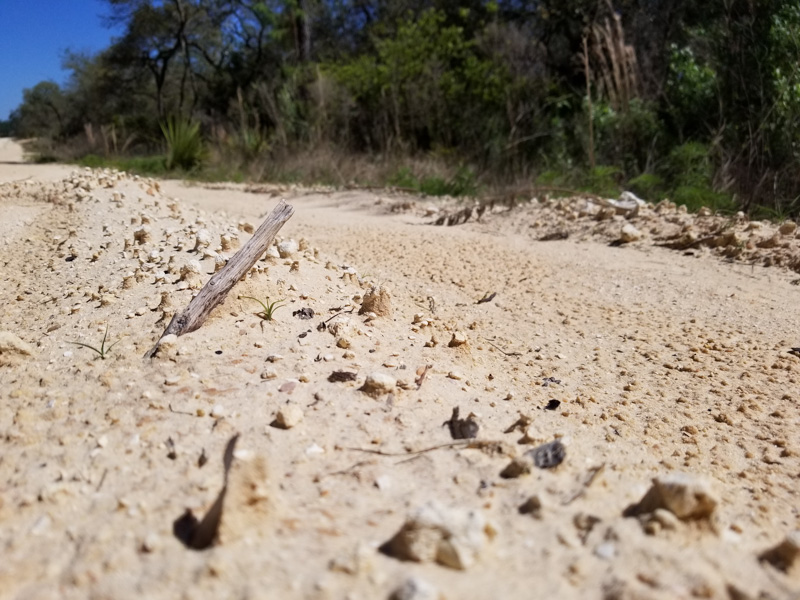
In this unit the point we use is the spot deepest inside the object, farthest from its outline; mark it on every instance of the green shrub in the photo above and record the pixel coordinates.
(689, 165)
(463, 183)
(184, 143)
(603, 180)
(648, 186)
(140, 165)
(696, 197)
(404, 178)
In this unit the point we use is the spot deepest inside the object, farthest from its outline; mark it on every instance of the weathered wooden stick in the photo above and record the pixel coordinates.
(214, 292)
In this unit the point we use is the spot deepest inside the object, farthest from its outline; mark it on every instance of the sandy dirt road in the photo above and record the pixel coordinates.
(653, 363)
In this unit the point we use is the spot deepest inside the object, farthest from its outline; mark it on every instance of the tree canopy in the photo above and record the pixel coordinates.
(669, 95)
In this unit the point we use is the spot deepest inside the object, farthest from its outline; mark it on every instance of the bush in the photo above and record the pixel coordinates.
(648, 186)
(604, 180)
(463, 183)
(184, 143)
(696, 197)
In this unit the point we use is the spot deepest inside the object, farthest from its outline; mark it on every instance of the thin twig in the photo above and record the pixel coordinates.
(179, 412)
(341, 312)
(593, 473)
(503, 351)
(411, 453)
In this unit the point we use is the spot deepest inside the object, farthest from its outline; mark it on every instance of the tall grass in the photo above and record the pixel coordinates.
(184, 143)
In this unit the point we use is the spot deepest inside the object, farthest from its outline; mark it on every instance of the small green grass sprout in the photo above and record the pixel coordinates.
(269, 307)
(102, 351)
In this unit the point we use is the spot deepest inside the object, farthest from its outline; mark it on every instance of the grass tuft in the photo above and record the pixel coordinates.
(102, 351)
(269, 307)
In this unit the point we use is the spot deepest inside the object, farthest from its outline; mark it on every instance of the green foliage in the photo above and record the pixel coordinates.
(647, 185)
(268, 307)
(603, 181)
(184, 143)
(140, 165)
(463, 183)
(696, 197)
(420, 83)
(689, 165)
(102, 351)
(627, 138)
(690, 91)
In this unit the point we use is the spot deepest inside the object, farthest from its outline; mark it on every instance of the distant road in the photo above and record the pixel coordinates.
(13, 166)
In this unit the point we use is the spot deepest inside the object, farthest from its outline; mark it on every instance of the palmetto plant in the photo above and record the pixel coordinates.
(184, 143)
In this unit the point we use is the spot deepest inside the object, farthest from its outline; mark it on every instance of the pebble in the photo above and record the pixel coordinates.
(218, 411)
(532, 506)
(415, 588)
(450, 536)
(606, 550)
(269, 374)
(686, 496)
(172, 380)
(379, 383)
(377, 300)
(287, 387)
(314, 449)
(289, 416)
(288, 248)
(629, 233)
(787, 228)
(785, 555)
(457, 375)
(458, 339)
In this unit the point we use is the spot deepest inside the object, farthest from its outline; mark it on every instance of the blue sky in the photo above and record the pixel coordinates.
(33, 37)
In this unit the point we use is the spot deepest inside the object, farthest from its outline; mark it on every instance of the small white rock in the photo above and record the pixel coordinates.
(289, 416)
(415, 588)
(287, 248)
(379, 383)
(629, 233)
(458, 339)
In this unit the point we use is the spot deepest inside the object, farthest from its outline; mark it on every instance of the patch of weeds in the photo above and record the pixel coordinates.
(463, 183)
(139, 165)
(696, 197)
(404, 178)
(269, 307)
(648, 186)
(102, 351)
(604, 181)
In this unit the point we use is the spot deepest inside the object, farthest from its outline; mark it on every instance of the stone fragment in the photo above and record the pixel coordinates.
(458, 339)
(532, 506)
(787, 228)
(771, 242)
(546, 456)
(629, 233)
(686, 496)
(287, 248)
(377, 300)
(203, 240)
(786, 555)
(452, 537)
(378, 383)
(415, 588)
(289, 416)
(142, 235)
